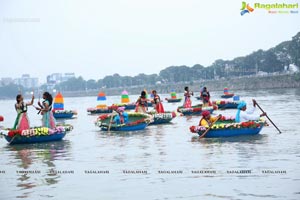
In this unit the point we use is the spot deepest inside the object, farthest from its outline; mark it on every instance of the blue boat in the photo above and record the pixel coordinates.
(127, 106)
(224, 104)
(59, 111)
(226, 96)
(60, 115)
(18, 139)
(230, 130)
(136, 121)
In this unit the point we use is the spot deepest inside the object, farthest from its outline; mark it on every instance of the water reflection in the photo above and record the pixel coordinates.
(28, 156)
(250, 139)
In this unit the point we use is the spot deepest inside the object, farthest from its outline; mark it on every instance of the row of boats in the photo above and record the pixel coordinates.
(225, 127)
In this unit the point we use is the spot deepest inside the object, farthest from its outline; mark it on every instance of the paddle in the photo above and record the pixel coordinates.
(267, 117)
(110, 121)
(203, 134)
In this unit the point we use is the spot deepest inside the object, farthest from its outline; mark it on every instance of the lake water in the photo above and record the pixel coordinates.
(160, 162)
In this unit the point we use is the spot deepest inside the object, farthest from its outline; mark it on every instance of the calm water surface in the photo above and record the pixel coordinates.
(199, 169)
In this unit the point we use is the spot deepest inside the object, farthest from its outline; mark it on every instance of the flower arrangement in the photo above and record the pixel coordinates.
(249, 124)
(144, 118)
(37, 131)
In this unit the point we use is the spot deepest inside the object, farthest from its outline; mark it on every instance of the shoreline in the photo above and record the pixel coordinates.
(234, 84)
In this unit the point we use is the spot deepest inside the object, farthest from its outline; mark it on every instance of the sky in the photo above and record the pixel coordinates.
(96, 38)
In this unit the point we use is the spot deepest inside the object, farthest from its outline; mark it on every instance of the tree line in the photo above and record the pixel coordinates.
(274, 60)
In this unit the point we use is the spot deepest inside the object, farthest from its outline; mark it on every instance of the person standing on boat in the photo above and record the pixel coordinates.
(244, 115)
(142, 103)
(158, 105)
(207, 119)
(121, 117)
(22, 121)
(205, 95)
(45, 110)
(187, 98)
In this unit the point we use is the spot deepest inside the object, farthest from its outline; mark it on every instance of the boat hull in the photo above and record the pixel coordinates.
(173, 100)
(231, 132)
(63, 115)
(34, 139)
(227, 106)
(136, 127)
(162, 118)
(226, 96)
(195, 110)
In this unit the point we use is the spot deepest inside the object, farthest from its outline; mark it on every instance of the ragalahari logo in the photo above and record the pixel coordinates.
(246, 8)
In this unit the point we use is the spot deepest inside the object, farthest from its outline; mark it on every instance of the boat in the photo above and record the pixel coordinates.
(101, 108)
(58, 108)
(1, 118)
(127, 106)
(226, 94)
(195, 110)
(173, 98)
(223, 104)
(230, 129)
(64, 114)
(136, 121)
(162, 118)
(35, 135)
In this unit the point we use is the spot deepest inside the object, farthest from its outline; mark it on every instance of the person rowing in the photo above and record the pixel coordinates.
(243, 114)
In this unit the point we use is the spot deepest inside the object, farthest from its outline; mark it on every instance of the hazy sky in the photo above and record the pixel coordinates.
(95, 38)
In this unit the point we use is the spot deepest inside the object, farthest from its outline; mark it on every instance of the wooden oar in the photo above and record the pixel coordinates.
(110, 121)
(268, 117)
(203, 134)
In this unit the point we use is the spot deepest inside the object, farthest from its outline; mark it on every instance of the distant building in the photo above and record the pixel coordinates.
(57, 78)
(26, 81)
(6, 81)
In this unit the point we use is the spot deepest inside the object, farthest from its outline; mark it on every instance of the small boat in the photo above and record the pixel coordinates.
(222, 104)
(195, 110)
(173, 98)
(125, 102)
(63, 114)
(136, 121)
(127, 106)
(1, 118)
(162, 118)
(35, 135)
(230, 129)
(100, 110)
(58, 108)
(227, 94)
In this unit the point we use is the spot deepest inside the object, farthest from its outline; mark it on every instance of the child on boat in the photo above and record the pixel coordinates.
(22, 121)
(121, 117)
